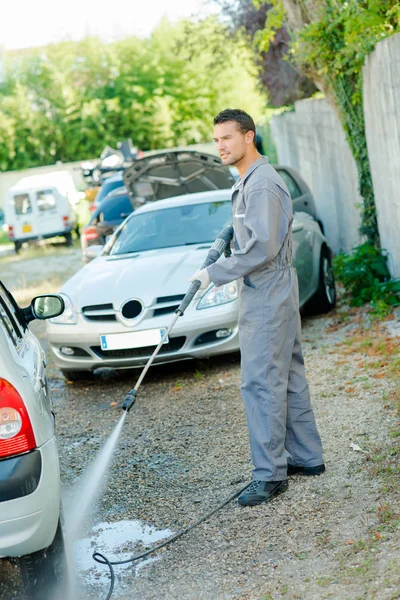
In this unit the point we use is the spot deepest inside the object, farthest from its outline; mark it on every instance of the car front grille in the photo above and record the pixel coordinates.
(99, 312)
(163, 305)
(170, 304)
(173, 345)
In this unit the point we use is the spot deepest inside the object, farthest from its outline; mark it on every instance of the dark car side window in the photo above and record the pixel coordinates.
(9, 323)
(12, 309)
(292, 186)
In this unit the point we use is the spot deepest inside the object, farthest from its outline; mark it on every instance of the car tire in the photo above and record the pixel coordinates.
(77, 375)
(324, 299)
(17, 247)
(68, 239)
(45, 569)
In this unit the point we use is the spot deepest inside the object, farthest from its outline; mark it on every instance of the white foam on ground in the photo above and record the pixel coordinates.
(117, 541)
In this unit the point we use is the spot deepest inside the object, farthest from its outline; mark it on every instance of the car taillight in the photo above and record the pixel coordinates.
(11, 232)
(90, 233)
(66, 221)
(16, 433)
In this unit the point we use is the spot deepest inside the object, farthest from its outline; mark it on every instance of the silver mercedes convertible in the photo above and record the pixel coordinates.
(118, 306)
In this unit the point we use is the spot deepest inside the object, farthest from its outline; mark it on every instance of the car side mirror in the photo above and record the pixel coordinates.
(45, 306)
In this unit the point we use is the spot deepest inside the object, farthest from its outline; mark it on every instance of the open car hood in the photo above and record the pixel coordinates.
(173, 173)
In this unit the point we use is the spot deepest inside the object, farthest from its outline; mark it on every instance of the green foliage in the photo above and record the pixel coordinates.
(366, 278)
(331, 41)
(67, 101)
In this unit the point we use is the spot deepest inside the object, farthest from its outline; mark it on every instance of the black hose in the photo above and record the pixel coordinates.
(103, 560)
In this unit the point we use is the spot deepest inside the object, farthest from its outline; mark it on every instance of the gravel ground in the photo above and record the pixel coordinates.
(184, 449)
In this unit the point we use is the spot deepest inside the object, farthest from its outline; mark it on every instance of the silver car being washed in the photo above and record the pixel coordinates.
(119, 305)
(30, 523)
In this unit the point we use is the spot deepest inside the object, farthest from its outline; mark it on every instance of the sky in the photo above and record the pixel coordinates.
(29, 23)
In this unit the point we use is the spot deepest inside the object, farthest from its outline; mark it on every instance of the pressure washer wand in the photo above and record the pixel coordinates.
(219, 246)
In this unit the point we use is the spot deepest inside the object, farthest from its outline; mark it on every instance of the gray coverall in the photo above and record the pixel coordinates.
(274, 388)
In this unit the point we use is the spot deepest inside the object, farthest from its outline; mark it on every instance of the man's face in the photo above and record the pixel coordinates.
(232, 144)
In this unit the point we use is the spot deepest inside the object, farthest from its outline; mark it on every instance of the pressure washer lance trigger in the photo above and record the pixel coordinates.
(223, 240)
(129, 400)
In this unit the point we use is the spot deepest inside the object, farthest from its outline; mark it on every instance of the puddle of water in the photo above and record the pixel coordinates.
(117, 541)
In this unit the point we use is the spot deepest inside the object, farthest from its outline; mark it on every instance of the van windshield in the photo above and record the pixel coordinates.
(45, 200)
(22, 204)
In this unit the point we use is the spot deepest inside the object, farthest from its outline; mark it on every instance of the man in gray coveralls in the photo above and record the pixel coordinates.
(283, 435)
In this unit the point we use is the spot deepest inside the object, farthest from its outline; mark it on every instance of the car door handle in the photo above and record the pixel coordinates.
(42, 381)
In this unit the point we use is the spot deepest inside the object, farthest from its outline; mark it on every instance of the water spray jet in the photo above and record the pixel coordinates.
(95, 475)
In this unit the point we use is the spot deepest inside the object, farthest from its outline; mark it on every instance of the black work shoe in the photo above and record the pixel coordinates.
(296, 470)
(261, 491)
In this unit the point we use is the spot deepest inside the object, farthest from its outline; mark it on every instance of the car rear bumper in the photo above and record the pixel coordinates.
(42, 236)
(190, 338)
(28, 523)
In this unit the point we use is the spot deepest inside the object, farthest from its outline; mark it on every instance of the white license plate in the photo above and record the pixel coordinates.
(135, 339)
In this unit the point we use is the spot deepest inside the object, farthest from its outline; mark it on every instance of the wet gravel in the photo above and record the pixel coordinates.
(184, 448)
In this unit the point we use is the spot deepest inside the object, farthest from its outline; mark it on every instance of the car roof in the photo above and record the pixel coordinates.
(196, 198)
(42, 180)
(112, 178)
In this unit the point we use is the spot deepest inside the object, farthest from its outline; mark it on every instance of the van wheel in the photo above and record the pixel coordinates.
(77, 375)
(17, 247)
(45, 569)
(68, 239)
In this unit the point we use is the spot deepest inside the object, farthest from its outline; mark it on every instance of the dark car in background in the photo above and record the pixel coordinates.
(104, 221)
(109, 185)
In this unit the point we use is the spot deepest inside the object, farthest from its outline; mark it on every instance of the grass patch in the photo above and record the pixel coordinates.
(42, 249)
(4, 237)
(50, 286)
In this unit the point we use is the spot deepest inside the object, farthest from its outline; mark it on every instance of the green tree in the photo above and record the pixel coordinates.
(68, 100)
(330, 41)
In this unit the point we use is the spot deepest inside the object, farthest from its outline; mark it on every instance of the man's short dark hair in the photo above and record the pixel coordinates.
(244, 121)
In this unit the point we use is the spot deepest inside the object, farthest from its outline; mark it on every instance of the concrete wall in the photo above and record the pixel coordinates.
(312, 141)
(382, 123)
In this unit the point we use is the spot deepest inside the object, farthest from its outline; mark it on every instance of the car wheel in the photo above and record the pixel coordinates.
(325, 298)
(77, 375)
(68, 239)
(44, 569)
(17, 247)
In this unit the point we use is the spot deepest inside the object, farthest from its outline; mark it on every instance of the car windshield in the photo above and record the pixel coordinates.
(178, 226)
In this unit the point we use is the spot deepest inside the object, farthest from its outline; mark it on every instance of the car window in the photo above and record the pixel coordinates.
(177, 226)
(45, 200)
(22, 204)
(292, 186)
(12, 308)
(9, 323)
(112, 211)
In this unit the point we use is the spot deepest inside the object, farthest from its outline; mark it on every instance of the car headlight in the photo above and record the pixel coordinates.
(69, 315)
(218, 295)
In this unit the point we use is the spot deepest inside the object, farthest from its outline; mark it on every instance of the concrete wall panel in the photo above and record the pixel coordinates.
(382, 122)
(312, 141)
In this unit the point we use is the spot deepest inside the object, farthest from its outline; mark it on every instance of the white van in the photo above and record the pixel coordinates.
(42, 206)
